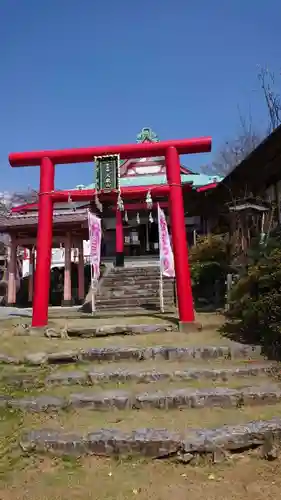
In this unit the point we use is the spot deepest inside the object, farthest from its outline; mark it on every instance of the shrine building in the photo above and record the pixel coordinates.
(130, 232)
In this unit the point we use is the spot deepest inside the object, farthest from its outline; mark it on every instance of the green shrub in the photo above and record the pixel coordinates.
(255, 303)
(209, 266)
(210, 248)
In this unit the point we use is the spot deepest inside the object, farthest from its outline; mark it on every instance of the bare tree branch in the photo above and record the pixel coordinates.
(235, 150)
(9, 200)
(272, 97)
(28, 196)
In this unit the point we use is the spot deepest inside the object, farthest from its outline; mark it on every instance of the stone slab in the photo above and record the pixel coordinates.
(147, 376)
(163, 400)
(169, 353)
(8, 360)
(95, 331)
(93, 376)
(155, 443)
(239, 351)
(68, 378)
(109, 330)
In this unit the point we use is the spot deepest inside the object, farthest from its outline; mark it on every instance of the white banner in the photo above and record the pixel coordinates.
(167, 267)
(94, 223)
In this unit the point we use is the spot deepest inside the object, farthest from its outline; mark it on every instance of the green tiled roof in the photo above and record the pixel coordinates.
(147, 133)
(198, 180)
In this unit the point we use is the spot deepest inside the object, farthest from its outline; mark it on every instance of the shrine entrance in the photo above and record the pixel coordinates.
(153, 238)
(109, 192)
(139, 240)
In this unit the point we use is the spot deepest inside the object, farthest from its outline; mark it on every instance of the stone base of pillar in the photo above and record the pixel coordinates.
(11, 305)
(119, 259)
(67, 303)
(80, 302)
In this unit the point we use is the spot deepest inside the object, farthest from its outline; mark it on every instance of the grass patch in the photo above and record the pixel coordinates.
(160, 385)
(19, 379)
(160, 365)
(85, 420)
(91, 321)
(133, 387)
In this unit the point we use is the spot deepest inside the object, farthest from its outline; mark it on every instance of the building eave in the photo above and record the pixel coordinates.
(255, 173)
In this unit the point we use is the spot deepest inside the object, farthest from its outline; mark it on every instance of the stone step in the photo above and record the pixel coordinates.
(153, 306)
(143, 282)
(161, 400)
(135, 271)
(135, 293)
(112, 310)
(99, 331)
(167, 371)
(157, 443)
(101, 307)
(132, 302)
(137, 286)
(111, 330)
(111, 305)
(135, 277)
(172, 353)
(94, 375)
(131, 289)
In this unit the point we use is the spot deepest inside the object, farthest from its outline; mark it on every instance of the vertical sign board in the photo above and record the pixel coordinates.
(107, 177)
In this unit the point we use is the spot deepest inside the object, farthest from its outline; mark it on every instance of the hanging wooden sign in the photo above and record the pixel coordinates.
(107, 173)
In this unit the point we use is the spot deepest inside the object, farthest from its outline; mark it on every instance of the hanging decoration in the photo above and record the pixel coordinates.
(98, 203)
(126, 217)
(120, 203)
(138, 218)
(71, 203)
(149, 204)
(149, 201)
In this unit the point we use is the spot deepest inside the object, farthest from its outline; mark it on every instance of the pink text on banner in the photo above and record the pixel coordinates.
(94, 224)
(167, 267)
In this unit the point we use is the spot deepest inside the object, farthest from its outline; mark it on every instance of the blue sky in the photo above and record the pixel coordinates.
(90, 72)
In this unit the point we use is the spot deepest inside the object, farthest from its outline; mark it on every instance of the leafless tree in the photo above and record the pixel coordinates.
(8, 200)
(272, 97)
(233, 151)
(20, 198)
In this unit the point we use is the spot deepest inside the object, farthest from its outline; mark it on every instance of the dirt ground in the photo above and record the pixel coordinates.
(101, 479)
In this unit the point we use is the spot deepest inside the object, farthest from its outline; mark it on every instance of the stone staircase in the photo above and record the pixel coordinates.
(172, 400)
(134, 287)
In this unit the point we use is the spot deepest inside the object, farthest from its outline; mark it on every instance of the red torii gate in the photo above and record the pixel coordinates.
(48, 196)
